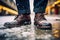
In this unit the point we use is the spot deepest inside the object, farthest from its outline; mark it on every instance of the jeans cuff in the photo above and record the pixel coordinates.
(23, 11)
(39, 10)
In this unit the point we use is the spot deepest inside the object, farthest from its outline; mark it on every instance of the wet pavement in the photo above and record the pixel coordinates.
(27, 32)
(17, 33)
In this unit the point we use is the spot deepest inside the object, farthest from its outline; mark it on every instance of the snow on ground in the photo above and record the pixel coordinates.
(19, 33)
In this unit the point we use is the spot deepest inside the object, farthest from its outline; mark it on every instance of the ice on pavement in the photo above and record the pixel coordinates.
(19, 33)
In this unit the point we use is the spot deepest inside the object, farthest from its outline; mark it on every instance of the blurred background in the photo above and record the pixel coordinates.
(8, 7)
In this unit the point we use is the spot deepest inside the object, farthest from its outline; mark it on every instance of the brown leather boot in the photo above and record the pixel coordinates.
(41, 22)
(38, 18)
(18, 21)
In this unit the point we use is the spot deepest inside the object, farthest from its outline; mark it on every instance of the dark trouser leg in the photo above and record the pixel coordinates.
(40, 6)
(23, 6)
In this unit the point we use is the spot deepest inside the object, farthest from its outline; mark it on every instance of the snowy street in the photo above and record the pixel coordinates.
(24, 32)
(16, 33)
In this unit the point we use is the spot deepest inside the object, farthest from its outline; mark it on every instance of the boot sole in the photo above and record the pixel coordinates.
(43, 27)
(18, 25)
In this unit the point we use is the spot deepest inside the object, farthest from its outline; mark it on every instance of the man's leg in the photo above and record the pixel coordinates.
(23, 7)
(39, 9)
(23, 17)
